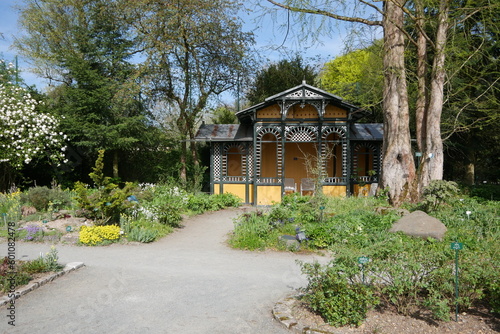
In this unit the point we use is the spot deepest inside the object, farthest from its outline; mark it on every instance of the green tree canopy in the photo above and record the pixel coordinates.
(357, 77)
(280, 76)
(84, 48)
(224, 115)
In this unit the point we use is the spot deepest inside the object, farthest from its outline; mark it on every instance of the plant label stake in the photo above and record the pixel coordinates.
(362, 260)
(321, 213)
(456, 246)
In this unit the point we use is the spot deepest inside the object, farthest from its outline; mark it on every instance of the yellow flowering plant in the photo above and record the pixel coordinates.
(10, 205)
(94, 235)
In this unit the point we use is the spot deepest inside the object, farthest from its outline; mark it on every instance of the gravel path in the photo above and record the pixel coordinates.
(188, 282)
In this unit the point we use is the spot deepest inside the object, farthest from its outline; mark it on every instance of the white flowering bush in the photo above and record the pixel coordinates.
(165, 205)
(26, 133)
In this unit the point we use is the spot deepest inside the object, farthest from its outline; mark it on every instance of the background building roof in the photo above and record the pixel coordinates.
(367, 131)
(224, 132)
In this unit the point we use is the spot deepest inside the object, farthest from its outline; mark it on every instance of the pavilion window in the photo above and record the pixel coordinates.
(334, 155)
(269, 156)
(234, 162)
(364, 161)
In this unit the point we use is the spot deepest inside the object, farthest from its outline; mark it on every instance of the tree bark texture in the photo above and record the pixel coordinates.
(116, 160)
(470, 168)
(398, 169)
(421, 103)
(433, 156)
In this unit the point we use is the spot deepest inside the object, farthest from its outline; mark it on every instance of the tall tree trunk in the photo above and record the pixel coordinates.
(398, 169)
(421, 103)
(469, 172)
(116, 160)
(182, 171)
(433, 156)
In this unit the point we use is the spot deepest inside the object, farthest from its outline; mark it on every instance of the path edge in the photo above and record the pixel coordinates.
(282, 312)
(35, 284)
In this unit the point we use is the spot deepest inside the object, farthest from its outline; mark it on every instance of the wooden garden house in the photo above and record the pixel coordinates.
(301, 140)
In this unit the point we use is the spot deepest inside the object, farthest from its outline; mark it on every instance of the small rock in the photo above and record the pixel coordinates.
(27, 211)
(420, 224)
(290, 242)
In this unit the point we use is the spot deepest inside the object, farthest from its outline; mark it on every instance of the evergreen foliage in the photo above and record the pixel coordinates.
(278, 77)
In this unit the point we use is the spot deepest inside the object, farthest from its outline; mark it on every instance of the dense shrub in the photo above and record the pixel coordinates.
(488, 192)
(38, 197)
(201, 202)
(437, 193)
(251, 231)
(44, 198)
(164, 204)
(335, 292)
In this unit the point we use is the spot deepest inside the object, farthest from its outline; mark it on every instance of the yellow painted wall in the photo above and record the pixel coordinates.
(266, 195)
(295, 160)
(269, 112)
(335, 112)
(308, 111)
(250, 193)
(235, 189)
(269, 160)
(216, 188)
(361, 191)
(334, 191)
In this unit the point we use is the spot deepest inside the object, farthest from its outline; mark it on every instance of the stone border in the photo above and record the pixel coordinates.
(282, 312)
(35, 284)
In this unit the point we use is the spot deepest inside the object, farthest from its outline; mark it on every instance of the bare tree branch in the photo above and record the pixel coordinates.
(328, 14)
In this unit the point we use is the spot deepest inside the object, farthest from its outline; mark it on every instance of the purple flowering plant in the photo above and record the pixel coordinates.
(32, 232)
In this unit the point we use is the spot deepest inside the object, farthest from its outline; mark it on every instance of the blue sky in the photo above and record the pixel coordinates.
(267, 32)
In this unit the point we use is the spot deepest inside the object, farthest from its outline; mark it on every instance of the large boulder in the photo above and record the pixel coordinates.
(420, 224)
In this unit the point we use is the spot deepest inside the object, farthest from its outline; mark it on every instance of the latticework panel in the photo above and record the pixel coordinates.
(301, 133)
(340, 130)
(216, 167)
(250, 161)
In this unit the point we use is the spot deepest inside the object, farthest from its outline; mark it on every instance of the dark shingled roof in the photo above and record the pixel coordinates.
(224, 132)
(243, 132)
(367, 131)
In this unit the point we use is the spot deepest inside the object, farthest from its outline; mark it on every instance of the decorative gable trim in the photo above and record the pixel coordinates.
(304, 93)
